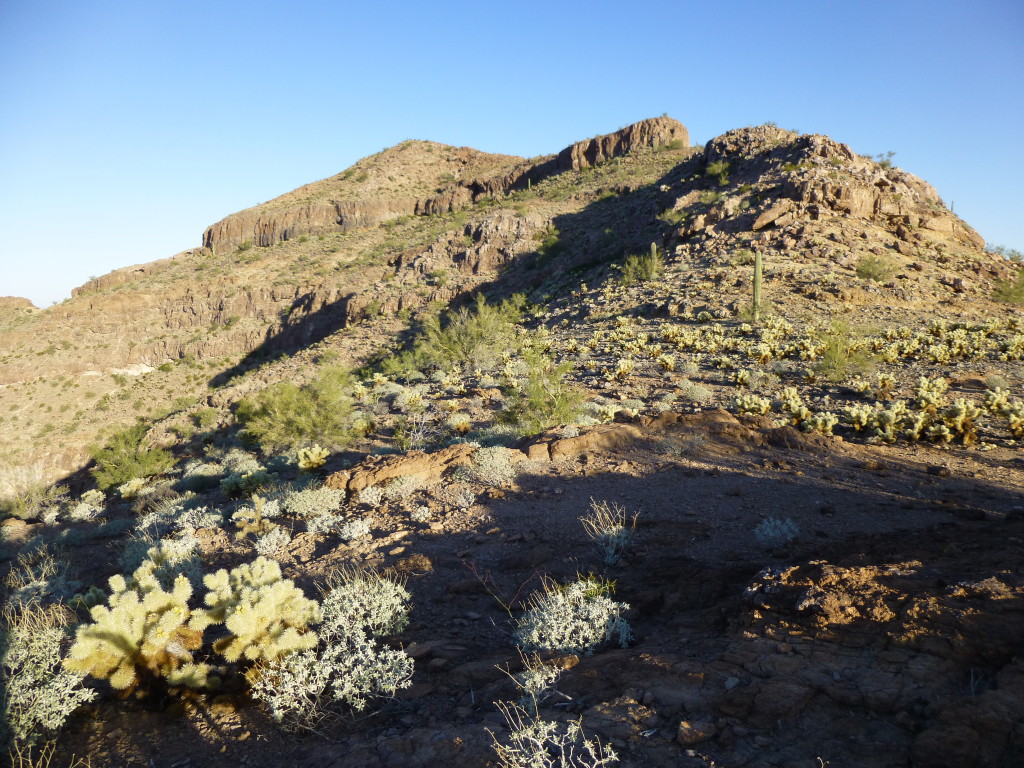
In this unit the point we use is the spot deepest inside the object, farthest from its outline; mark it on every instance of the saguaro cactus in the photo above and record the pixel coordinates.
(757, 286)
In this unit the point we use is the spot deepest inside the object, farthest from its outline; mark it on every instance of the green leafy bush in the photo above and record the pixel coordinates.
(544, 397)
(125, 457)
(639, 267)
(469, 338)
(876, 268)
(286, 416)
(1010, 291)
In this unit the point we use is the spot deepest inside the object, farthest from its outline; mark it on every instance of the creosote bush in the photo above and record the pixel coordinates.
(285, 415)
(125, 457)
(468, 338)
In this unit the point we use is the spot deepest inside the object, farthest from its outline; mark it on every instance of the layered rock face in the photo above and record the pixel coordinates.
(455, 179)
(656, 132)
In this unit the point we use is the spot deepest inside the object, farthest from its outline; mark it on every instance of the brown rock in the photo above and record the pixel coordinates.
(425, 467)
(692, 732)
(647, 133)
(773, 214)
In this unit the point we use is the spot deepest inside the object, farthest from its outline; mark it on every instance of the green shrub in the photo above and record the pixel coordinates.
(285, 415)
(469, 338)
(842, 356)
(641, 267)
(124, 457)
(1010, 291)
(544, 397)
(718, 170)
(877, 268)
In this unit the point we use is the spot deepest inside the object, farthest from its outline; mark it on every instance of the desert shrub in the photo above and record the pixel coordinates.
(25, 494)
(272, 541)
(544, 397)
(38, 694)
(536, 743)
(693, 392)
(772, 532)
(640, 267)
(125, 456)
(718, 170)
(610, 528)
(285, 415)
(876, 268)
(575, 618)
(313, 502)
(1010, 291)
(467, 337)
(355, 529)
(349, 665)
(841, 356)
(491, 466)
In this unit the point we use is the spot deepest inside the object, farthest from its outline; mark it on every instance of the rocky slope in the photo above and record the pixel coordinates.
(802, 591)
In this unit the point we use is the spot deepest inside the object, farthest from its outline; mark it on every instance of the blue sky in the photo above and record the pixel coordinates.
(128, 127)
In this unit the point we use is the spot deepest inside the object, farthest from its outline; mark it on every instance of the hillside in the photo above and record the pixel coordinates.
(818, 505)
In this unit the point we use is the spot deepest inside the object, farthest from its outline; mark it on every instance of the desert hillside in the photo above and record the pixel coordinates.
(694, 455)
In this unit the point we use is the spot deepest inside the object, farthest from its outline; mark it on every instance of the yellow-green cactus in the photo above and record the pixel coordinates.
(144, 632)
(267, 615)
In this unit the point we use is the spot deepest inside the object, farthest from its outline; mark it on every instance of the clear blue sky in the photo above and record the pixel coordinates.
(127, 127)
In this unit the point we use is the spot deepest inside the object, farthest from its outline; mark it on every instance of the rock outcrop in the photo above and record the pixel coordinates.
(655, 132)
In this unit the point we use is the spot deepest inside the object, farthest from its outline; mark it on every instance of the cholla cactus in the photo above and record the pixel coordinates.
(858, 416)
(752, 404)
(997, 401)
(793, 405)
(959, 418)
(144, 632)
(459, 423)
(820, 422)
(884, 385)
(267, 615)
(312, 458)
(741, 378)
(931, 393)
(1015, 415)
(667, 362)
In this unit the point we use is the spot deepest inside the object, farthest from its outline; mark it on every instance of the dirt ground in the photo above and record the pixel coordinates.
(887, 633)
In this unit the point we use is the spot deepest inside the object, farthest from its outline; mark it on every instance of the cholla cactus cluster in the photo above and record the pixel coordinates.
(146, 632)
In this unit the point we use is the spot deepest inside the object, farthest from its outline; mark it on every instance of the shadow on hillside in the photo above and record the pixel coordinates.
(620, 222)
(310, 329)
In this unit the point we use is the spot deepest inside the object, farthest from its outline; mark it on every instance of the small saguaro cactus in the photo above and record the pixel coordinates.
(758, 274)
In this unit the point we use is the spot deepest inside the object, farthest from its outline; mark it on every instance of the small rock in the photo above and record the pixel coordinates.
(692, 732)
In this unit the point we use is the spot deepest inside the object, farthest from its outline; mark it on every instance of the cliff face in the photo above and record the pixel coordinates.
(656, 132)
(420, 179)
